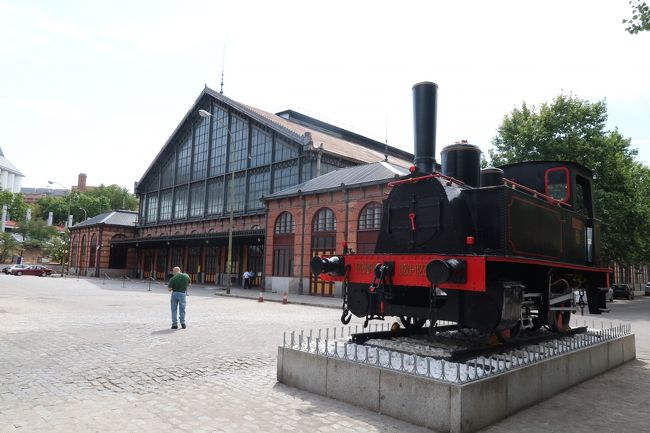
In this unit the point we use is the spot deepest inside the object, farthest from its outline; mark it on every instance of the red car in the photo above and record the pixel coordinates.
(39, 270)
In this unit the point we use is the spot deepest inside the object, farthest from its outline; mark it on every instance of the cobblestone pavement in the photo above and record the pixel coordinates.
(82, 356)
(79, 356)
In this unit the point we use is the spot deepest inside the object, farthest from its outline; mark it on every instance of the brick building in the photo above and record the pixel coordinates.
(319, 217)
(223, 157)
(91, 251)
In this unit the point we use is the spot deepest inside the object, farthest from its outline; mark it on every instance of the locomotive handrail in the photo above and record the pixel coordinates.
(534, 193)
(428, 176)
(506, 182)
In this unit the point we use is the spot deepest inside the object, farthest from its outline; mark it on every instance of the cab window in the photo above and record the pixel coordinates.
(556, 181)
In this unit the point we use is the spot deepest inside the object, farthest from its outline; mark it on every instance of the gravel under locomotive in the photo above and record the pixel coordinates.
(499, 249)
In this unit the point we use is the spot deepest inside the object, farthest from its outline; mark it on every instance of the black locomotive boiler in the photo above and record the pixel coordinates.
(499, 249)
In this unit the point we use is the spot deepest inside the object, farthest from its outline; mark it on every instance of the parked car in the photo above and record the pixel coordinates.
(7, 269)
(647, 288)
(623, 291)
(39, 270)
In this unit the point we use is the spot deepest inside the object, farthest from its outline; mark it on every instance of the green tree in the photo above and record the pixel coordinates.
(36, 233)
(118, 197)
(640, 20)
(569, 128)
(58, 247)
(8, 245)
(94, 202)
(16, 206)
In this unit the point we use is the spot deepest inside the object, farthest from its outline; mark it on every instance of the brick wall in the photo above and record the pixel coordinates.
(353, 200)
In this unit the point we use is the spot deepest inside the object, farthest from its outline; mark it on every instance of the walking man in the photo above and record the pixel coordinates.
(178, 285)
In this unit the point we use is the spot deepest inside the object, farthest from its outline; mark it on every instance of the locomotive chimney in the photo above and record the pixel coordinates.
(425, 99)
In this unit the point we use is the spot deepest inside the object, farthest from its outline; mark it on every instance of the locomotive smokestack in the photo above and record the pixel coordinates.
(425, 100)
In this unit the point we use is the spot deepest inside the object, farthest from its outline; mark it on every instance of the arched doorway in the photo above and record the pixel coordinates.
(323, 242)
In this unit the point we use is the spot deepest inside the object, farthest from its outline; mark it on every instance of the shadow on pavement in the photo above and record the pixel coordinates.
(164, 331)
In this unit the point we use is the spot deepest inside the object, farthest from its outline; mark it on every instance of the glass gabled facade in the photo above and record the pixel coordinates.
(192, 177)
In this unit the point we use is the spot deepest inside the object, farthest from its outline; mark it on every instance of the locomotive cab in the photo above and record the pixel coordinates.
(571, 185)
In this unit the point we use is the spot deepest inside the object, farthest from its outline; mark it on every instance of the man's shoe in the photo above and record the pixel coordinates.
(174, 326)
(183, 325)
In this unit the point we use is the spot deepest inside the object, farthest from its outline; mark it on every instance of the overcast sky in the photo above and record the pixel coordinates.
(98, 87)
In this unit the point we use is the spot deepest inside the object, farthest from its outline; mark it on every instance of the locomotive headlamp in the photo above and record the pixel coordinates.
(449, 270)
(332, 265)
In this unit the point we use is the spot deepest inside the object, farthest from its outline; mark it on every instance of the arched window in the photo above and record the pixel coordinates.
(285, 223)
(369, 225)
(73, 252)
(93, 251)
(324, 230)
(82, 256)
(370, 217)
(283, 242)
(325, 221)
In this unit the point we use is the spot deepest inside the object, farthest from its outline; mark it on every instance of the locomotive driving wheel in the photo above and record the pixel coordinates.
(411, 322)
(558, 321)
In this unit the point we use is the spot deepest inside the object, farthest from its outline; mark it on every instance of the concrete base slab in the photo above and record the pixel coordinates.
(445, 406)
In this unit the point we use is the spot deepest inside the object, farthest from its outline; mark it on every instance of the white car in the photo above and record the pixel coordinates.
(8, 269)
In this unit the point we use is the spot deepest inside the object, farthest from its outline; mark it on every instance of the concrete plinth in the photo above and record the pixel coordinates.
(444, 406)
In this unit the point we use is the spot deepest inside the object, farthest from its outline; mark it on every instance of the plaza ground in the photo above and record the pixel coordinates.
(85, 355)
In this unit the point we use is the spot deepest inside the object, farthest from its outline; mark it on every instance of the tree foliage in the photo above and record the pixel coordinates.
(8, 245)
(86, 204)
(640, 20)
(16, 206)
(36, 233)
(58, 247)
(569, 128)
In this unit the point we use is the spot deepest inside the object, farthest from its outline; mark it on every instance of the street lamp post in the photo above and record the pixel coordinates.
(204, 113)
(85, 213)
(50, 182)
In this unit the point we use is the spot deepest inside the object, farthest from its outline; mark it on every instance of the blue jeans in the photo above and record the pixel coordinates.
(178, 302)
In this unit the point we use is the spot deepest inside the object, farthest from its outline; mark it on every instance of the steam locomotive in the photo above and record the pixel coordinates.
(498, 250)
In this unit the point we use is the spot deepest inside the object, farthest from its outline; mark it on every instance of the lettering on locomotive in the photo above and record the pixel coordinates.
(364, 268)
(411, 269)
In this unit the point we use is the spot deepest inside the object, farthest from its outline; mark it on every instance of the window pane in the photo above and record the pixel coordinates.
(215, 197)
(197, 200)
(168, 172)
(165, 205)
(258, 185)
(307, 170)
(200, 163)
(180, 203)
(284, 177)
(284, 150)
(556, 184)
(239, 148)
(152, 208)
(238, 193)
(260, 148)
(370, 218)
(219, 141)
(285, 224)
(183, 161)
(325, 221)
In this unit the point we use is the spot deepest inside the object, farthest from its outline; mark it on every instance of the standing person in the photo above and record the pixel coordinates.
(247, 279)
(178, 285)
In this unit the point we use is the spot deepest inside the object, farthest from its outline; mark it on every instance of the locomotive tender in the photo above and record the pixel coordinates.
(499, 249)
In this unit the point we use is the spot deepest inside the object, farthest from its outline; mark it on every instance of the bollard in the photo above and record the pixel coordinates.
(285, 299)
(261, 297)
(149, 290)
